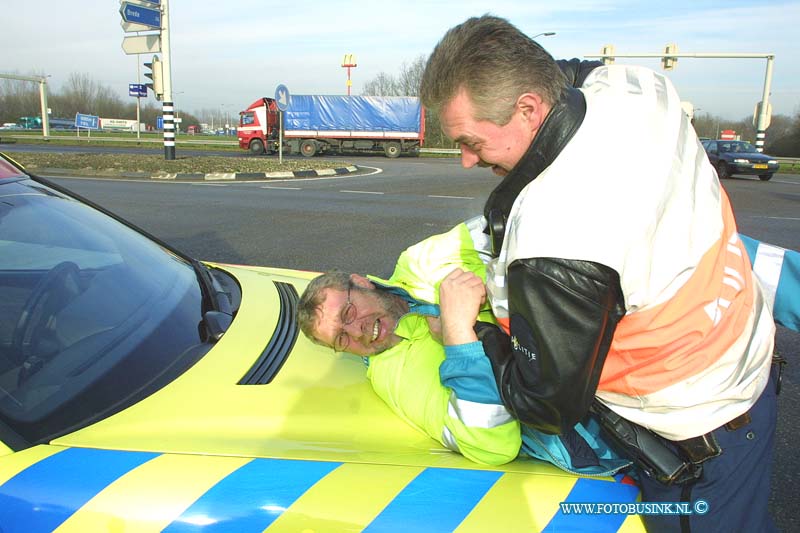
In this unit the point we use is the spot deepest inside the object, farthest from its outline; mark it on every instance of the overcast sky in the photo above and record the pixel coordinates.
(228, 53)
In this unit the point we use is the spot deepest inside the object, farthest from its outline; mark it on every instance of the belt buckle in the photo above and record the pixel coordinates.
(700, 449)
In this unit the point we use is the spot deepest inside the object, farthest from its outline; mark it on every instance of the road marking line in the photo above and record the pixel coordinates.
(376, 170)
(453, 197)
(283, 188)
(363, 192)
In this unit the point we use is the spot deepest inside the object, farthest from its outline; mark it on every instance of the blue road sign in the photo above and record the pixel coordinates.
(282, 97)
(141, 15)
(160, 123)
(137, 89)
(88, 122)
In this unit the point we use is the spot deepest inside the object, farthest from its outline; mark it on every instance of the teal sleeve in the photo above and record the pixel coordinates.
(778, 271)
(468, 372)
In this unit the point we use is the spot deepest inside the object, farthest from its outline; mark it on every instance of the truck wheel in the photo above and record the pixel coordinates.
(765, 177)
(722, 170)
(392, 149)
(256, 147)
(308, 148)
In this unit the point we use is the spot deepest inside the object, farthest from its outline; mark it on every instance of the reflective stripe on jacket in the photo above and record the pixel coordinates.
(778, 271)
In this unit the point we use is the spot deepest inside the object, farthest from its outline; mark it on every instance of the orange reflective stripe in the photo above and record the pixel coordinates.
(683, 336)
(505, 323)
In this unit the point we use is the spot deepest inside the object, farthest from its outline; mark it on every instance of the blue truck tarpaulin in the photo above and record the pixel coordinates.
(353, 113)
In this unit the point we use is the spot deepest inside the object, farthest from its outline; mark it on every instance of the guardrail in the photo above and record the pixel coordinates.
(793, 162)
(440, 150)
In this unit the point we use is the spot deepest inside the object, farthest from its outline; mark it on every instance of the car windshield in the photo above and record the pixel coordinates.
(737, 147)
(82, 298)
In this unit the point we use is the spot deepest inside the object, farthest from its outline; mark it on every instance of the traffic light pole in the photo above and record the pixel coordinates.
(138, 101)
(762, 121)
(168, 108)
(42, 81)
(762, 116)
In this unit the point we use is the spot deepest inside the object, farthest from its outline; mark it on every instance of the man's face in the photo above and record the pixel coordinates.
(484, 143)
(372, 328)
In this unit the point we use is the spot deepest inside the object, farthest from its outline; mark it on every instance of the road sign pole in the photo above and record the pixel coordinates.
(282, 99)
(138, 100)
(168, 107)
(763, 117)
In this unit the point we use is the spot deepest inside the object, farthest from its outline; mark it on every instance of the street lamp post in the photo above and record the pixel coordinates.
(544, 34)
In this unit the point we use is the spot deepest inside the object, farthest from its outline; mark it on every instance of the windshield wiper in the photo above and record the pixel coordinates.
(218, 314)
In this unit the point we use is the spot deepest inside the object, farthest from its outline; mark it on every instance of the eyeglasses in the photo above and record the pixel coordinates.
(346, 317)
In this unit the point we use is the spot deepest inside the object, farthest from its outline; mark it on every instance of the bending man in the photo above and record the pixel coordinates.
(618, 272)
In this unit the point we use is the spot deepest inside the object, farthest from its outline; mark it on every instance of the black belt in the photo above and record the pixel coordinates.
(705, 447)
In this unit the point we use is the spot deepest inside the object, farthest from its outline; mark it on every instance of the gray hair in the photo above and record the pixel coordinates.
(495, 63)
(313, 298)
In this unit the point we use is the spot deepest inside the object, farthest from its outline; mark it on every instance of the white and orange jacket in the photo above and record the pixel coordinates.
(619, 236)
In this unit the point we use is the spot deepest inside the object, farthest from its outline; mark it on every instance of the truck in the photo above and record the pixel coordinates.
(317, 124)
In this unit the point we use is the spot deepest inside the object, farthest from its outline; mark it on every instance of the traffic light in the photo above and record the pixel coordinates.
(608, 54)
(155, 74)
(668, 62)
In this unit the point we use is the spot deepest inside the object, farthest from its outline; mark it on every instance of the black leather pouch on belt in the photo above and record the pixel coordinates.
(646, 449)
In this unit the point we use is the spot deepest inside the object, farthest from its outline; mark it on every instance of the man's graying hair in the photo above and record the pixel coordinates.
(496, 63)
(314, 296)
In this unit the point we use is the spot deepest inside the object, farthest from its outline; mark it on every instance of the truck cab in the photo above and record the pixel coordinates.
(258, 127)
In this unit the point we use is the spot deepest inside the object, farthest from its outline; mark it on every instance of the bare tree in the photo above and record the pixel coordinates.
(789, 144)
(411, 77)
(18, 99)
(407, 84)
(382, 85)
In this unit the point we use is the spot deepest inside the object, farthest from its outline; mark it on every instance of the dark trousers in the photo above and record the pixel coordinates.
(735, 485)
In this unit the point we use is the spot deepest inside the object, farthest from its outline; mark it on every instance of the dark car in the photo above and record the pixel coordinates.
(739, 157)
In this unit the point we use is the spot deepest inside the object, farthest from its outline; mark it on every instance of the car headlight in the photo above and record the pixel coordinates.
(772, 162)
(742, 161)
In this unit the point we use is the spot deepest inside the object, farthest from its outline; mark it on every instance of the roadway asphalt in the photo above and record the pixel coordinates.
(359, 220)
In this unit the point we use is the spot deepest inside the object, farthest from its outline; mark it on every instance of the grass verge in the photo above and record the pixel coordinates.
(118, 163)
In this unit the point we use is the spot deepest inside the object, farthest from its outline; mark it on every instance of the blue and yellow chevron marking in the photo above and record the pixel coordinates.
(79, 490)
(71, 477)
(437, 500)
(252, 497)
